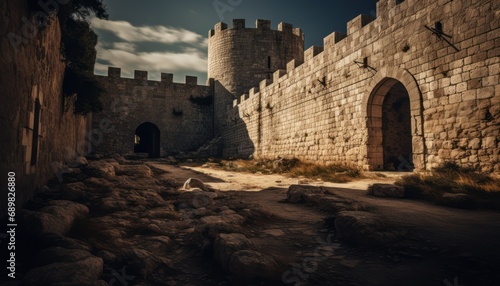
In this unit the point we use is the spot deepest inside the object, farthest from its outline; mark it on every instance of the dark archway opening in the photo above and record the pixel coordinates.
(389, 125)
(147, 140)
(396, 130)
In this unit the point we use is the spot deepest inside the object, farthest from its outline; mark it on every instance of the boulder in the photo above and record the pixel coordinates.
(107, 256)
(386, 190)
(74, 191)
(97, 184)
(359, 227)
(78, 161)
(60, 254)
(144, 262)
(171, 160)
(215, 224)
(296, 193)
(111, 204)
(45, 191)
(52, 240)
(457, 200)
(195, 199)
(141, 171)
(120, 159)
(166, 212)
(100, 169)
(66, 209)
(66, 174)
(156, 243)
(284, 165)
(56, 218)
(248, 265)
(223, 220)
(227, 244)
(193, 183)
(84, 271)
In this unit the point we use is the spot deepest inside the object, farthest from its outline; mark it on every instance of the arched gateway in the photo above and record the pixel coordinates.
(147, 139)
(393, 112)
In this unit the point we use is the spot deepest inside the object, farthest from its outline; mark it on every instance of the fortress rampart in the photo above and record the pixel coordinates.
(423, 74)
(414, 87)
(182, 112)
(240, 57)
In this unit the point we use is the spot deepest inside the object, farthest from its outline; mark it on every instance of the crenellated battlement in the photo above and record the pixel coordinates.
(166, 78)
(341, 42)
(260, 24)
(416, 67)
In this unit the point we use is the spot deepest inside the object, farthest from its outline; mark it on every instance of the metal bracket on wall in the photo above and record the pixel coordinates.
(441, 35)
(322, 81)
(364, 64)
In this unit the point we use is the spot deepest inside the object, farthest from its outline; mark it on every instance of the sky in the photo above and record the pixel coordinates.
(171, 36)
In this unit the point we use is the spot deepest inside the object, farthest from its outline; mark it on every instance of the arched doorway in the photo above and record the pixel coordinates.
(396, 130)
(389, 127)
(393, 108)
(147, 140)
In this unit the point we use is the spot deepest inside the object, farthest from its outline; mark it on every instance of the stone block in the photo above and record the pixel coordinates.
(285, 28)
(253, 91)
(386, 190)
(263, 24)
(278, 74)
(238, 23)
(457, 200)
(475, 144)
(191, 80)
(114, 72)
(264, 83)
(220, 27)
(291, 65)
(357, 23)
(486, 92)
(167, 77)
(140, 75)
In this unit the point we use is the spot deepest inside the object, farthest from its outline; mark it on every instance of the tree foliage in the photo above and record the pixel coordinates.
(78, 48)
(84, 8)
(78, 42)
(86, 89)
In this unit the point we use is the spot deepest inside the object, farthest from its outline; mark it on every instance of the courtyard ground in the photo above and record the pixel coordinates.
(121, 222)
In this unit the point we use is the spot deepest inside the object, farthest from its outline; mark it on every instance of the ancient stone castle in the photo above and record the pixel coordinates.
(417, 85)
(414, 87)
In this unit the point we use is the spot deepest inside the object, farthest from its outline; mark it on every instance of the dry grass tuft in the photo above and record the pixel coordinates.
(337, 173)
(451, 178)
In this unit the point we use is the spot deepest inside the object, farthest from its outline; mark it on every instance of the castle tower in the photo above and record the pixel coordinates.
(240, 58)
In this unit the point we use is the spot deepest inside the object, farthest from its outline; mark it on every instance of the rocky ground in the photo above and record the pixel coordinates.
(122, 222)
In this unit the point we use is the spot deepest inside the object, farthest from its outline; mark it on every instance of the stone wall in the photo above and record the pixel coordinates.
(183, 113)
(32, 69)
(329, 109)
(240, 57)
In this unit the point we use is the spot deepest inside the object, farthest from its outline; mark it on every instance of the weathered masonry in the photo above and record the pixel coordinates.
(40, 131)
(154, 117)
(414, 87)
(419, 83)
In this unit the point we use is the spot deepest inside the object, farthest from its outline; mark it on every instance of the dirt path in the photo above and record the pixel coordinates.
(443, 242)
(224, 180)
